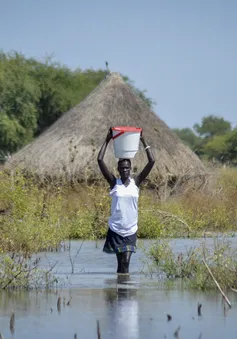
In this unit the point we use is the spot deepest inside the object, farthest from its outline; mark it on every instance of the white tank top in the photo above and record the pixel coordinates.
(124, 208)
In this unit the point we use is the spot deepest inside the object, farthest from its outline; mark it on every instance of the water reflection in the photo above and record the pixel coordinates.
(126, 307)
(123, 310)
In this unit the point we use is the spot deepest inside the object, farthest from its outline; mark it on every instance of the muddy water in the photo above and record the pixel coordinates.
(132, 308)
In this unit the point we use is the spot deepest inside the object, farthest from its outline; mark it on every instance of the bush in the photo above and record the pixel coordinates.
(32, 220)
(41, 217)
(189, 266)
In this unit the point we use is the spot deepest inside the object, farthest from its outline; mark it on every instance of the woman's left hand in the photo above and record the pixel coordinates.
(142, 138)
(109, 135)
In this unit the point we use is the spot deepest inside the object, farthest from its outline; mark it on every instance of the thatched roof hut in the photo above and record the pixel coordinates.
(68, 149)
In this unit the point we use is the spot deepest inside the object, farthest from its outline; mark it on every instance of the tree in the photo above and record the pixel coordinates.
(188, 137)
(60, 89)
(18, 96)
(211, 126)
(232, 146)
(217, 148)
(33, 95)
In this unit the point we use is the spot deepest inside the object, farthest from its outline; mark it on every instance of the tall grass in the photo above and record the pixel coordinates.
(35, 218)
(189, 267)
(212, 209)
(31, 218)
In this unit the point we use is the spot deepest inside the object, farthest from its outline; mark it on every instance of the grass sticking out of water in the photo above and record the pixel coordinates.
(189, 266)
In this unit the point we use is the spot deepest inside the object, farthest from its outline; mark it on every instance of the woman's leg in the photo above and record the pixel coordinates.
(123, 260)
(118, 255)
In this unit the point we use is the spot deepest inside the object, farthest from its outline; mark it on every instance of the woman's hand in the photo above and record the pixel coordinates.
(100, 158)
(142, 138)
(146, 170)
(109, 135)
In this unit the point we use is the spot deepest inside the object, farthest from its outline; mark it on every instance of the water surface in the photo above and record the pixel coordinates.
(133, 308)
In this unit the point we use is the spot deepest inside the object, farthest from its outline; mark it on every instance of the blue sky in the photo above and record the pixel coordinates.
(183, 52)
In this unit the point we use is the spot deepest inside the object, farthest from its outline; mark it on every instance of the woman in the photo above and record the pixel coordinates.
(122, 234)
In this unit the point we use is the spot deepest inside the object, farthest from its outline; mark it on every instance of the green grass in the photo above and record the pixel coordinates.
(189, 266)
(35, 219)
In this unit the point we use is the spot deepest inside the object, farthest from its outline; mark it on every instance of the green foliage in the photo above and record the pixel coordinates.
(36, 219)
(149, 225)
(189, 266)
(188, 137)
(61, 89)
(222, 147)
(231, 143)
(17, 272)
(34, 94)
(212, 126)
(201, 213)
(18, 96)
(217, 148)
(33, 221)
(194, 214)
(214, 139)
(90, 220)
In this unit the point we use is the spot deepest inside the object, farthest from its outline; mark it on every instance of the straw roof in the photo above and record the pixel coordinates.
(68, 149)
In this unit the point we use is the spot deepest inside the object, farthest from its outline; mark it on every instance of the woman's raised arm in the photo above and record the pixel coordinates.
(104, 169)
(151, 160)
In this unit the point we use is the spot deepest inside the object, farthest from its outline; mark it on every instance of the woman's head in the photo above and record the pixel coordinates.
(124, 168)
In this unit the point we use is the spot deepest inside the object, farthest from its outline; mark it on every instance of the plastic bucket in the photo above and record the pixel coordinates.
(126, 141)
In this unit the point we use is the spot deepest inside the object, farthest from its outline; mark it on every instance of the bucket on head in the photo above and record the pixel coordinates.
(126, 141)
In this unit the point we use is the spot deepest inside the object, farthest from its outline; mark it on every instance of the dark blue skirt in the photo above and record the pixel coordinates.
(115, 243)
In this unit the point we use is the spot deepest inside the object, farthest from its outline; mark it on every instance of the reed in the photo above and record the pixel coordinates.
(12, 323)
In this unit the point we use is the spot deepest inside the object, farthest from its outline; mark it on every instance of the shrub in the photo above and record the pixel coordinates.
(32, 220)
(189, 266)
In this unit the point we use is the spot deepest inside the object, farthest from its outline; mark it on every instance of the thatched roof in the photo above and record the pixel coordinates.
(69, 148)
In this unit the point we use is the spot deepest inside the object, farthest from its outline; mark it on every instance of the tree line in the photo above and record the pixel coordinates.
(212, 139)
(34, 94)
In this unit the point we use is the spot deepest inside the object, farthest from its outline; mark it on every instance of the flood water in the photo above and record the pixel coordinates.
(135, 307)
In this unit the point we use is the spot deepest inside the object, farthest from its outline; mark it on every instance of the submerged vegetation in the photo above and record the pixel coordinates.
(26, 230)
(191, 266)
(195, 213)
(35, 219)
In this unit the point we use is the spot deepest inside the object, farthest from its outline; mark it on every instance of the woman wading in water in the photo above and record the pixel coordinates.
(122, 233)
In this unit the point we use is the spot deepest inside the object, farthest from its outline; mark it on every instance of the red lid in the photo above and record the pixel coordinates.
(126, 129)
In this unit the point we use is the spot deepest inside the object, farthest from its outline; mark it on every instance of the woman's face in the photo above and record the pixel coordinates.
(124, 169)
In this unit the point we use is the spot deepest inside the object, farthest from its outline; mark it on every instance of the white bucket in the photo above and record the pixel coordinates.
(126, 141)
